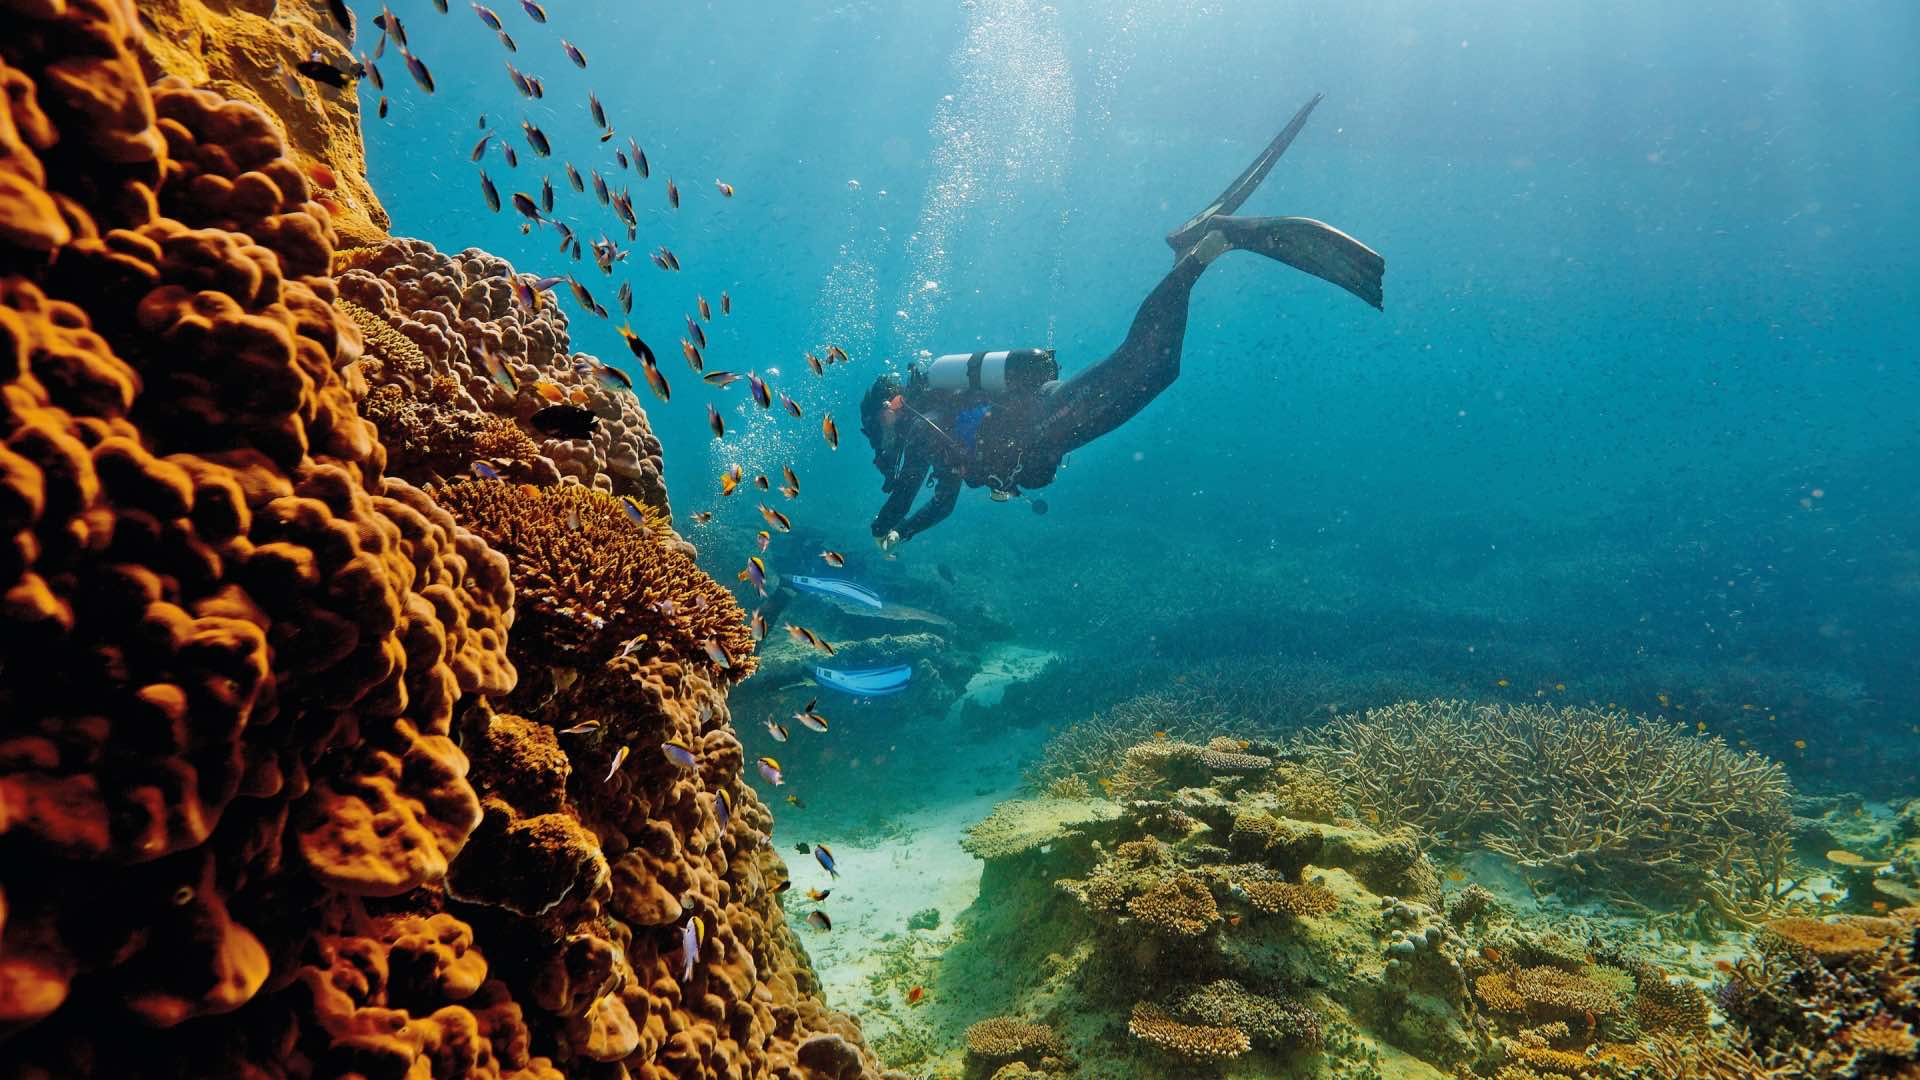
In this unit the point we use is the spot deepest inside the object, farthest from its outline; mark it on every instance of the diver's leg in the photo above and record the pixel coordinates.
(1108, 394)
(1195, 227)
(1313, 246)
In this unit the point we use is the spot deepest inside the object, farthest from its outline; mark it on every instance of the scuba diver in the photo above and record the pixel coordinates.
(1004, 420)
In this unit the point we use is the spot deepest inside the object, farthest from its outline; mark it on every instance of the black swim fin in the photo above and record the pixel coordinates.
(1183, 238)
(1313, 246)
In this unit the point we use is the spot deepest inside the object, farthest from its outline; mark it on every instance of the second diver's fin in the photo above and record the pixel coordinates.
(1313, 246)
(1230, 200)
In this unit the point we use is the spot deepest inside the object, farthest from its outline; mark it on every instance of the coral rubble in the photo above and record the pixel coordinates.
(276, 798)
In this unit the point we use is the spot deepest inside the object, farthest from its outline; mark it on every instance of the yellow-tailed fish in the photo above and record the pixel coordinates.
(775, 518)
(813, 364)
(761, 539)
(657, 381)
(721, 379)
(831, 430)
(679, 753)
(692, 354)
(726, 189)
(619, 759)
(770, 769)
(760, 395)
(755, 574)
(728, 481)
(635, 510)
(792, 406)
(817, 895)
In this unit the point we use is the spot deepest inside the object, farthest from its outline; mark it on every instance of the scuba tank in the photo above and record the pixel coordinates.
(1003, 373)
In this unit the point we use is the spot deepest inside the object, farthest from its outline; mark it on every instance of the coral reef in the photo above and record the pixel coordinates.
(1588, 797)
(247, 53)
(1003, 1038)
(1194, 1042)
(1839, 998)
(436, 403)
(588, 579)
(275, 798)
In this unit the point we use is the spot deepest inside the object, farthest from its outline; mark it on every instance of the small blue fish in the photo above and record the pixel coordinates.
(679, 753)
(487, 16)
(770, 769)
(825, 858)
(636, 510)
(573, 53)
(485, 471)
(760, 395)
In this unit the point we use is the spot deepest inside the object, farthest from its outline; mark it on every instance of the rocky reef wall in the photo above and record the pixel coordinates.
(306, 770)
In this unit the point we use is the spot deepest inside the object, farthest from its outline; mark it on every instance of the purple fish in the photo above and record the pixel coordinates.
(723, 808)
(770, 769)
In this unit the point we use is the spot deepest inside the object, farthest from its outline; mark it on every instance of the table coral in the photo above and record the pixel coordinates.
(1001, 1038)
(1298, 899)
(454, 309)
(1194, 1042)
(1267, 1021)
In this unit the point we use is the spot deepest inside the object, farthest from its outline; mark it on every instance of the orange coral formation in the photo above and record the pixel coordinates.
(588, 578)
(1840, 939)
(1298, 899)
(1545, 992)
(248, 54)
(442, 406)
(234, 806)
(1195, 1042)
(1179, 905)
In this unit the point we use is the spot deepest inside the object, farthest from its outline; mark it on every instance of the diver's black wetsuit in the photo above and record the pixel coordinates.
(1018, 439)
(1021, 441)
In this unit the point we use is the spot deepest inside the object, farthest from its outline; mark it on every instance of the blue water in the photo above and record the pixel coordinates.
(1638, 418)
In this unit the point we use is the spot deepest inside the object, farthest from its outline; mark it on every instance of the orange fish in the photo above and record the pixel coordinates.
(728, 481)
(830, 430)
(775, 518)
(549, 391)
(1491, 954)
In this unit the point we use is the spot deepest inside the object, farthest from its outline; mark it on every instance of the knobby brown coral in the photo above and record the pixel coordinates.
(438, 401)
(232, 804)
(234, 652)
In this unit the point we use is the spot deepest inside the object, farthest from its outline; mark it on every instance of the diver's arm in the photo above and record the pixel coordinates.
(945, 493)
(901, 489)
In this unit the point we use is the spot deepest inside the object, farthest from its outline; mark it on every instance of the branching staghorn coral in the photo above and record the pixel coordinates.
(1589, 794)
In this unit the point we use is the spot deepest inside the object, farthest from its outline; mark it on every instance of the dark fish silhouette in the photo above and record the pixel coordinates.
(564, 421)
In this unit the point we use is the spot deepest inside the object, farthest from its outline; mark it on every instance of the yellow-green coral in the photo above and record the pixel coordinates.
(1593, 793)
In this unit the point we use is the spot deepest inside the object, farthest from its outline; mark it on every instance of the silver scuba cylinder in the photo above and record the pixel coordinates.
(1000, 373)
